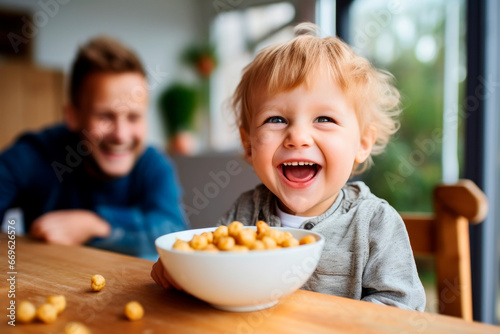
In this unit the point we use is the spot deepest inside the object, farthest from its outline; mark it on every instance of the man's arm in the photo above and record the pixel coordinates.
(17, 172)
(7, 190)
(127, 228)
(11, 170)
(69, 227)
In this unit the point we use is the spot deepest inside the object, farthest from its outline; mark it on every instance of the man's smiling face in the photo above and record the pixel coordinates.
(111, 115)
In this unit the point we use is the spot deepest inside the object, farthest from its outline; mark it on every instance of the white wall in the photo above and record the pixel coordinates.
(158, 30)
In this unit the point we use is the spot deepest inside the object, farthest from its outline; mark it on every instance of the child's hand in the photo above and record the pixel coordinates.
(162, 278)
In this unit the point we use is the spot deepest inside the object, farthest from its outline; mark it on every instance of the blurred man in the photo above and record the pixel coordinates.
(93, 180)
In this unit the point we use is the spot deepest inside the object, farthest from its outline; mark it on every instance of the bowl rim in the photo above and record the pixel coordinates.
(320, 241)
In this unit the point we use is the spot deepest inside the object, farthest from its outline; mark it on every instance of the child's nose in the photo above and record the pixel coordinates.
(298, 137)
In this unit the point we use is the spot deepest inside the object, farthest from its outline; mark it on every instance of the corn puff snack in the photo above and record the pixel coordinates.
(236, 238)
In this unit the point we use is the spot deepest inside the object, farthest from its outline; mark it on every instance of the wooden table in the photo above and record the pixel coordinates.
(42, 270)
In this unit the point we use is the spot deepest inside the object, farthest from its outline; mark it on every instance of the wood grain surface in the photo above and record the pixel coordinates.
(43, 270)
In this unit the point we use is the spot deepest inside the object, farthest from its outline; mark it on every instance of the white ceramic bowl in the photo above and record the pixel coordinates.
(240, 282)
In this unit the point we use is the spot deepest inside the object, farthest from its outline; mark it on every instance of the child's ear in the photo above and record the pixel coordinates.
(245, 141)
(367, 141)
(71, 117)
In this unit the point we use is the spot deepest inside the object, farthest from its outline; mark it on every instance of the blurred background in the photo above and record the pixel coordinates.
(443, 54)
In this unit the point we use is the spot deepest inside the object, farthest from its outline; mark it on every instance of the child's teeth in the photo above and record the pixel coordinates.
(298, 163)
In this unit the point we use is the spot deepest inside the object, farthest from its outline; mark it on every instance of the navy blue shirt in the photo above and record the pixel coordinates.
(45, 171)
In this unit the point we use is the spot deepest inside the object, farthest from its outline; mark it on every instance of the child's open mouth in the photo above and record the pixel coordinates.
(299, 171)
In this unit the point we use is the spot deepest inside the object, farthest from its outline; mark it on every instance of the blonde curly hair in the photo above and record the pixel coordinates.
(287, 65)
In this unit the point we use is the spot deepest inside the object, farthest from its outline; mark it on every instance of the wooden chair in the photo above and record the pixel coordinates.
(445, 236)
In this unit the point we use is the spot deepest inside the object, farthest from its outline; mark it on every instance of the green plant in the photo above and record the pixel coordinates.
(178, 104)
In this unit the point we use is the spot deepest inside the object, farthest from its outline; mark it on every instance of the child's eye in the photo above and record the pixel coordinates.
(325, 119)
(275, 119)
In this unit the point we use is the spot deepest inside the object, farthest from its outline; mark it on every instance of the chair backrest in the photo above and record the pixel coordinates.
(445, 236)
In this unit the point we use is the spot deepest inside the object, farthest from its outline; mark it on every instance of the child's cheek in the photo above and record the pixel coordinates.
(263, 139)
